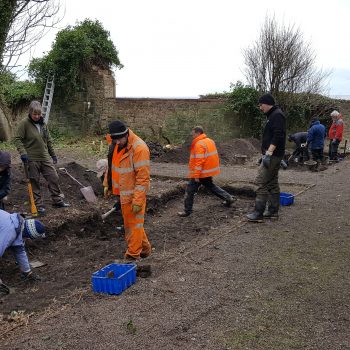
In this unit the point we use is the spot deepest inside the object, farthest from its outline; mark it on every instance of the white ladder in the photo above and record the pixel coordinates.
(48, 96)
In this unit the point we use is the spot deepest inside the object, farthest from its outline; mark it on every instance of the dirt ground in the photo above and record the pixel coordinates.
(230, 152)
(217, 281)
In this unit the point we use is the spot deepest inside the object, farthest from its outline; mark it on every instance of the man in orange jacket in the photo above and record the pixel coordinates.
(203, 165)
(129, 178)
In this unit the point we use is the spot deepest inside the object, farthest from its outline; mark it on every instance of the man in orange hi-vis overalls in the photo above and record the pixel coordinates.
(204, 164)
(129, 178)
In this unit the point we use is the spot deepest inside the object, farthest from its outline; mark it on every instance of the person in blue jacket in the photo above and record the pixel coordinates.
(5, 177)
(13, 229)
(315, 139)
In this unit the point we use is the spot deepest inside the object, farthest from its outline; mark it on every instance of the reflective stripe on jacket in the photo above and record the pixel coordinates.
(336, 130)
(117, 156)
(204, 158)
(133, 171)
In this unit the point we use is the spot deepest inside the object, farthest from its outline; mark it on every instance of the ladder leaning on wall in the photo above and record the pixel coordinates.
(48, 96)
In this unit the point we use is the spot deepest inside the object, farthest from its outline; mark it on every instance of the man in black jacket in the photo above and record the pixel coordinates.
(272, 147)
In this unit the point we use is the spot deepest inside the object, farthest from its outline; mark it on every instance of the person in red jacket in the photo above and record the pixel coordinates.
(203, 165)
(335, 134)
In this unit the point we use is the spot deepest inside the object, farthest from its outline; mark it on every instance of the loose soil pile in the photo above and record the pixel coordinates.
(230, 153)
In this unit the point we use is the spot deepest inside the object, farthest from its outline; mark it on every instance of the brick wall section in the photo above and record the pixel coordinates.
(154, 117)
(91, 109)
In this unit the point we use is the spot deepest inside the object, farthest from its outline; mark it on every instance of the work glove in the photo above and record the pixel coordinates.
(54, 159)
(284, 165)
(30, 277)
(24, 158)
(266, 161)
(4, 290)
(136, 208)
(117, 206)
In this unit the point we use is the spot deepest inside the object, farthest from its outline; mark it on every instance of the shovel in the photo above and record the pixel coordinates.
(87, 191)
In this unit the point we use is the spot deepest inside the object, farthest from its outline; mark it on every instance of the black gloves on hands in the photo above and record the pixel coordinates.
(24, 158)
(117, 206)
(266, 160)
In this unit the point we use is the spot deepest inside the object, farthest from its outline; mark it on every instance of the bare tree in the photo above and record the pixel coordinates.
(281, 61)
(25, 22)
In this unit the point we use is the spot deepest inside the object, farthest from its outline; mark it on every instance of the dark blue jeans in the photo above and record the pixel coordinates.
(333, 149)
(207, 182)
(317, 154)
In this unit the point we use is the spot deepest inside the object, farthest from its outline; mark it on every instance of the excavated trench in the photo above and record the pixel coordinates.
(78, 242)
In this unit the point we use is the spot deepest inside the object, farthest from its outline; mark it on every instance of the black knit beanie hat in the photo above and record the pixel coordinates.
(267, 99)
(117, 129)
(5, 159)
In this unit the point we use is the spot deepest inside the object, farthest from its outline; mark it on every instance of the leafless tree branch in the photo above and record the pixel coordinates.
(30, 21)
(281, 61)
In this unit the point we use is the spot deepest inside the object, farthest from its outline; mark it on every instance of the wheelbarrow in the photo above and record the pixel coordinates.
(86, 191)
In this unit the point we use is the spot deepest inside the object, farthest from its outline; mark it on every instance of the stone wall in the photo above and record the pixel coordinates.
(91, 109)
(95, 106)
(170, 119)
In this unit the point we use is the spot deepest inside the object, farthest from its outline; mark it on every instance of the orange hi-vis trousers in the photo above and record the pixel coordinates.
(135, 235)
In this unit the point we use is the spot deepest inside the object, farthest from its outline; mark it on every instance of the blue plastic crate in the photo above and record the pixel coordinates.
(286, 198)
(113, 278)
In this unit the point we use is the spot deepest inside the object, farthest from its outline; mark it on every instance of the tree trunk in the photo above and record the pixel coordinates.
(7, 9)
(5, 133)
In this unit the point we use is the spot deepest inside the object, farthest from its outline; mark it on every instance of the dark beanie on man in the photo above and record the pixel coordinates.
(117, 129)
(5, 159)
(267, 99)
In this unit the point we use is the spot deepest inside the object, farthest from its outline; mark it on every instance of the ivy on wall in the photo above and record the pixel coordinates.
(75, 50)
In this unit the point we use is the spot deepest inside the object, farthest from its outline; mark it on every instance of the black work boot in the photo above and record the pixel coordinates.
(183, 214)
(257, 214)
(229, 201)
(271, 211)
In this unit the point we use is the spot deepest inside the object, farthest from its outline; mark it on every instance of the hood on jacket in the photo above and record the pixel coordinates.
(314, 122)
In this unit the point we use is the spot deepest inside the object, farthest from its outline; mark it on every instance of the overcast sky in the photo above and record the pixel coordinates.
(186, 48)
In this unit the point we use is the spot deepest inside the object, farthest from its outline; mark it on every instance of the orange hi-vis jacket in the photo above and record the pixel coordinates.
(204, 158)
(130, 171)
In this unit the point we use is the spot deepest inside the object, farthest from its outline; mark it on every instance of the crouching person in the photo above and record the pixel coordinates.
(102, 174)
(13, 228)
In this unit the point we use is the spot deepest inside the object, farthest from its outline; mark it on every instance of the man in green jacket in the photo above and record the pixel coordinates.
(34, 144)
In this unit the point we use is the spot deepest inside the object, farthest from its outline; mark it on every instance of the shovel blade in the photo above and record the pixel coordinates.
(88, 194)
